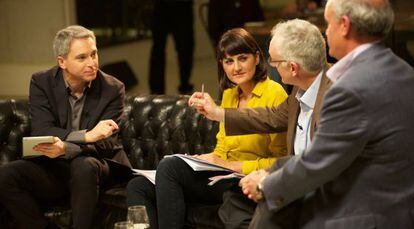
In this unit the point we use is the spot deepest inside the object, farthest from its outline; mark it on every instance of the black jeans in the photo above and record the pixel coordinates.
(28, 185)
(177, 186)
(140, 191)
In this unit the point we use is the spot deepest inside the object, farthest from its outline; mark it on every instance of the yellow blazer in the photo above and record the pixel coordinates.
(256, 151)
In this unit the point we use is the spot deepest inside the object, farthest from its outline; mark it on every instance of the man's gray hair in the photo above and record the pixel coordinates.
(301, 42)
(64, 37)
(367, 17)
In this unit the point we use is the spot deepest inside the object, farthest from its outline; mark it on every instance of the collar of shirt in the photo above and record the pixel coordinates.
(258, 88)
(338, 69)
(70, 91)
(308, 97)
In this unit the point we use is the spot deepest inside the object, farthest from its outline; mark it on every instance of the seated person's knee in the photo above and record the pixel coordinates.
(168, 165)
(84, 167)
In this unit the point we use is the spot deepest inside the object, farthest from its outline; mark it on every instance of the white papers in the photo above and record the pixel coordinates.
(198, 164)
(149, 174)
(215, 179)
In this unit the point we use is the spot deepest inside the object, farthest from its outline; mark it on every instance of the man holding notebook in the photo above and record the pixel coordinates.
(80, 106)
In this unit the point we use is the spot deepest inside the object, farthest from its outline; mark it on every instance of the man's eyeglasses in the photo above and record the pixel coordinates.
(275, 63)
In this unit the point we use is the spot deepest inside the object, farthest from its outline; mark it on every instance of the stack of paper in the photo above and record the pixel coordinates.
(149, 174)
(196, 164)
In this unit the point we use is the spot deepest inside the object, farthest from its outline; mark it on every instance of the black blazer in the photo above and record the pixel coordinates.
(48, 105)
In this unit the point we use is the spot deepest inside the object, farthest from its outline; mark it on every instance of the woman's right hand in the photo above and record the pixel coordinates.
(214, 159)
(210, 157)
(205, 105)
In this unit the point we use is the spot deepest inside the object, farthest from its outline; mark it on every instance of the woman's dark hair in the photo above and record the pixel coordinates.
(233, 42)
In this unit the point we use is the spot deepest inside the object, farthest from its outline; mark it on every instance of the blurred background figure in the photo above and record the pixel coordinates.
(228, 14)
(175, 17)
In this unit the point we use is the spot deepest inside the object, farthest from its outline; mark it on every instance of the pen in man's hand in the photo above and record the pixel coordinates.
(202, 90)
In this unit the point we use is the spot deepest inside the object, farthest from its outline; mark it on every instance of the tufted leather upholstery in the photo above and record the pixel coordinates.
(14, 124)
(153, 126)
(160, 125)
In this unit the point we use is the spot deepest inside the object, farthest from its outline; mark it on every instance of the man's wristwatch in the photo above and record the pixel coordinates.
(259, 190)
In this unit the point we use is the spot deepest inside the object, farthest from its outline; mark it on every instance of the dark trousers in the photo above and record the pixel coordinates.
(175, 17)
(140, 191)
(238, 212)
(177, 187)
(286, 218)
(26, 186)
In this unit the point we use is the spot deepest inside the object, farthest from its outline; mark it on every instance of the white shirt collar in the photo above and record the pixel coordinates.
(308, 97)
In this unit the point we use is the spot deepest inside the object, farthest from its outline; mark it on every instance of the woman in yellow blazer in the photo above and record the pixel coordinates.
(244, 82)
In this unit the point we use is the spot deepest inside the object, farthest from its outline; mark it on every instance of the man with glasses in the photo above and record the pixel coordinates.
(302, 63)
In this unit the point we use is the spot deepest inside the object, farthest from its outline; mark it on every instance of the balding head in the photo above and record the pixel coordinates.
(369, 18)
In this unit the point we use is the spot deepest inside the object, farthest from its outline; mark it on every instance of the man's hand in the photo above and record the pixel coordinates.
(214, 159)
(205, 105)
(52, 150)
(103, 129)
(249, 183)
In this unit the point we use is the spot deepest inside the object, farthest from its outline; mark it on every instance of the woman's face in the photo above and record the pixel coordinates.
(240, 68)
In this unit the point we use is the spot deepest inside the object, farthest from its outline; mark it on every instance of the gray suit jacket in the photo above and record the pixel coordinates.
(362, 156)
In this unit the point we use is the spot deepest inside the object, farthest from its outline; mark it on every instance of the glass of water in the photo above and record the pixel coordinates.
(137, 217)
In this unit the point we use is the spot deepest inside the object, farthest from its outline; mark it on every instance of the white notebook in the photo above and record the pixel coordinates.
(30, 142)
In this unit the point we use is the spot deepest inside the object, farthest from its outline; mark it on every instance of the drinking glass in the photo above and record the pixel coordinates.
(137, 217)
(123, 225)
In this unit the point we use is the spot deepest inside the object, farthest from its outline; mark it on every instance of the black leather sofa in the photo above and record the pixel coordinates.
(153, 126)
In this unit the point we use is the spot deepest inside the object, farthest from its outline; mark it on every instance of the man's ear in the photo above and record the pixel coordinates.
(294, 68)
(61, 62)
(345, 26)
